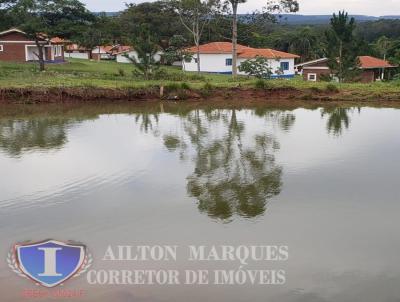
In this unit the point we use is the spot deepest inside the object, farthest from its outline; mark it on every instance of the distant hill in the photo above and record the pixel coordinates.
(324, 19)
(303, 19)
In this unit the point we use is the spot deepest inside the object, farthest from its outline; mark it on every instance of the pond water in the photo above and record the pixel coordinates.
(325, 182)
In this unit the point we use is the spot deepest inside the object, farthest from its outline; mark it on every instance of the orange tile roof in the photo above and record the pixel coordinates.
(367, 62)
(115, 49)
(217, 48)
(268, 53)
(57, 40)
(72, 47)
(243, 51)
(122, 49)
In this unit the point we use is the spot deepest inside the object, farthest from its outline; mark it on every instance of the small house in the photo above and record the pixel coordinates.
(216, 57)
(372, 69)
(76, 51)
(131, 52)
(16, 46)
(102, 52)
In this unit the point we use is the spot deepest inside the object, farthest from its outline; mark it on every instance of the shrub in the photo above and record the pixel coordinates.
(121, 72)
(207, 89)
(315, 89)
(172, 87)
(332, 88)
(185, 85)
(325, 78)
(261, 84)
(208, 86)
(257, 67)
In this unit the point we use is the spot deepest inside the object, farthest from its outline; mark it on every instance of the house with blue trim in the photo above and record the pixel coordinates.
(216, 57)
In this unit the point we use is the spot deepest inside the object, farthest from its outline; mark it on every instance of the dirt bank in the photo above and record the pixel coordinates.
(85, 94)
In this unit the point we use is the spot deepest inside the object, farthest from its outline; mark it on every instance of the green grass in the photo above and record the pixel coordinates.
(109, 74)
(78, 73)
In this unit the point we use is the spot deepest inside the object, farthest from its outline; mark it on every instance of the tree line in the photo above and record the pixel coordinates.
(176, 24)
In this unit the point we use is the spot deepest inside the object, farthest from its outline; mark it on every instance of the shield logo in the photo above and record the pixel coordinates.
(50, 262)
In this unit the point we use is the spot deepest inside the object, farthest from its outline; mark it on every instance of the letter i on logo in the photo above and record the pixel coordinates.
(50, 262)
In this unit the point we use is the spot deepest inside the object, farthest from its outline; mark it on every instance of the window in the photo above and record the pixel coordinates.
(284, 66)
(1, 48)
(195, 60)
(57, 51)
(228, 62)
(312, 77)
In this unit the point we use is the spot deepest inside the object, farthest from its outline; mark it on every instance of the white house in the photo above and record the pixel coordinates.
(77, 52)
(102, 52)
(121, 55)
(216, 57)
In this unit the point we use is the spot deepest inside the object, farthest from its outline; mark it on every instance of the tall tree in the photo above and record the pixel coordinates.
(103, 31)
(342, 46)
(195, 15)
(146, 47)
(159, 17)
(42, 19)
(273, 6)
(383, 45)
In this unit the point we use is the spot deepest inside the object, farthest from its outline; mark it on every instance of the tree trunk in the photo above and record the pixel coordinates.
(40, 55)
(197, 41)
(198, 57)
(234, 38)
(340, 62)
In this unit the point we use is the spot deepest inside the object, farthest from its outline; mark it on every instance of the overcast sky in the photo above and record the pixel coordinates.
(308, 7)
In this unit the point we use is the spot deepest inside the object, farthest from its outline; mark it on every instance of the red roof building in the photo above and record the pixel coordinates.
(15, 45)
(372, 69)
(216, 57)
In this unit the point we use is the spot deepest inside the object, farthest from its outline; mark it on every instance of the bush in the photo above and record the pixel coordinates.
(325, 78)
(332, 88)
(185, 85)
(172, 87)
(121, 72)
(257, 67)
(315, 89)
(208, 86)
(207, 89)
(261, 84)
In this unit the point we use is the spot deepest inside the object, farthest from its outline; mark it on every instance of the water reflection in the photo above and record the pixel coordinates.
(147, 121)
(338, 118)
(234, 174)
(284, 119)
(17, 136)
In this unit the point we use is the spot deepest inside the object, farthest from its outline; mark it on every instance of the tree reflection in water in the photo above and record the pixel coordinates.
(234, 174)
(338, 119)
(19, 136)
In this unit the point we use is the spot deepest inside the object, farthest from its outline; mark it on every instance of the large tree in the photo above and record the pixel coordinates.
(159, 17)
(342, 46)
(42, 19)
(146, 47)
(273, 6)
(195, 15)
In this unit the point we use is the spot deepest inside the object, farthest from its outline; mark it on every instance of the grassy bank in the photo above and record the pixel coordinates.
(83, 76)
